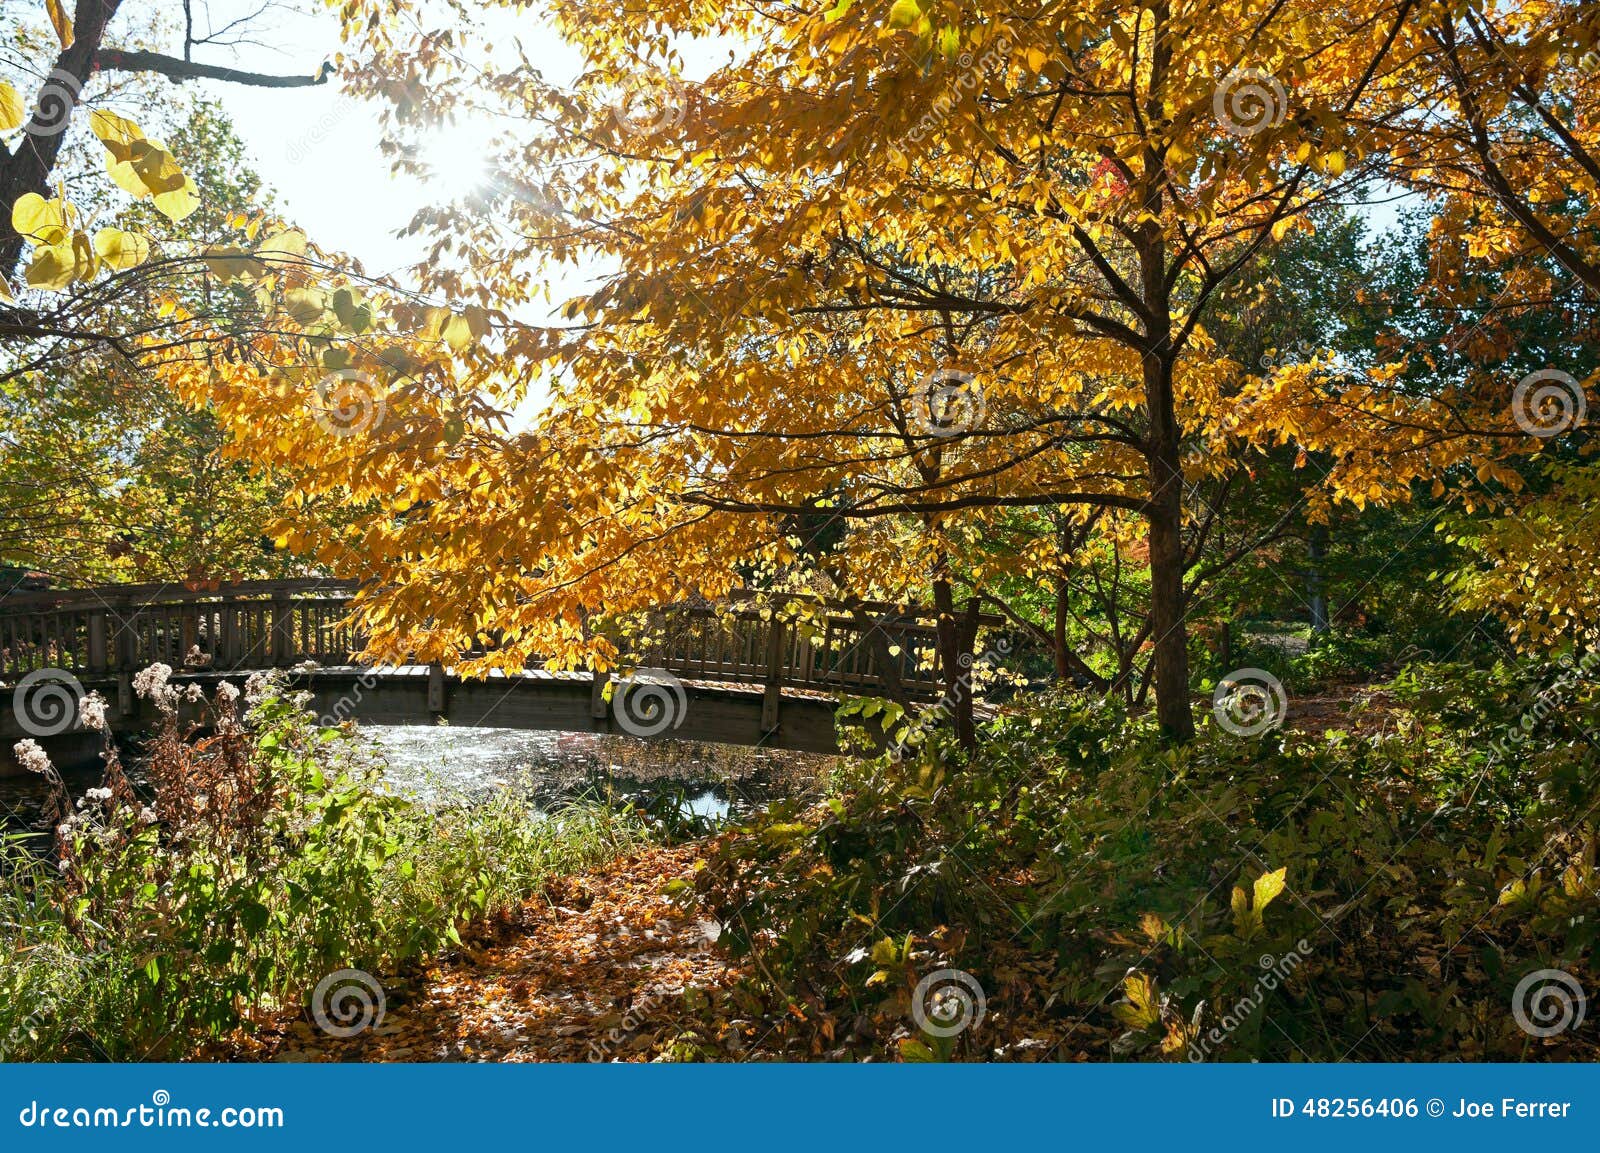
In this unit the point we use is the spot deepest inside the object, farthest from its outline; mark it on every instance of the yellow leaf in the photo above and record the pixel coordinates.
(457, 333)
(290, 242)
(227, 262)
(1268, 886)
(179, 202)
(904, 14)
(115, 132)
(1142, 1010)
(121, 249)
(306, 305)
(41, 221)
(52, 267)
(13, 114)
(60, 21)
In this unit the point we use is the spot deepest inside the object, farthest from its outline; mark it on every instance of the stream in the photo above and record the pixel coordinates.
(693, 780)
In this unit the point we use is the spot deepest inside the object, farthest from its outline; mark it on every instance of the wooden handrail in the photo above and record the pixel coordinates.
(115, 630)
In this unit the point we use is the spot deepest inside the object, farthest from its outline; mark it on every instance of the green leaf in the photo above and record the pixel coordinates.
(254, 916)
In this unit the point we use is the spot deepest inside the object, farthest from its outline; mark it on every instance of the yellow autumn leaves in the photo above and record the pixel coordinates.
(64, 253)
(143, 167)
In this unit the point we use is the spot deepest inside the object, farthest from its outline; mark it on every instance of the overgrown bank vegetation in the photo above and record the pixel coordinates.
(1281, 898)
(262, 859)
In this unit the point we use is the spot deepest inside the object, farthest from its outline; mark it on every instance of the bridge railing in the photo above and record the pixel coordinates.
(823, 652)
(252, 625)
(119, 629)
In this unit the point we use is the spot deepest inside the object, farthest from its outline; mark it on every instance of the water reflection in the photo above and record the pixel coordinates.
(702, 782)
(705, 781)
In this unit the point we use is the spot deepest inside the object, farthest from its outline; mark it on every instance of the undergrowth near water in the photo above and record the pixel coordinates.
(268, 855)
(1105, 896)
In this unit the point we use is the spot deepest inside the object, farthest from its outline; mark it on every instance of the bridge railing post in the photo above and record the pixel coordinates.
(124, 650)
(772, 696)
(99, 656)
(227, 635)
(282, 631)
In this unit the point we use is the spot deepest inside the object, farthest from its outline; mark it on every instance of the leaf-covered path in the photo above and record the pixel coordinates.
(591, 970)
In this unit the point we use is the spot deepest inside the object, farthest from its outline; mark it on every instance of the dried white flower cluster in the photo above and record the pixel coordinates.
(92, 712)
(152, 683)
(33, 758)
(258, 688)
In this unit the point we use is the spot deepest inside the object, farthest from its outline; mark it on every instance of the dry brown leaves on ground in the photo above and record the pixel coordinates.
(594, 969)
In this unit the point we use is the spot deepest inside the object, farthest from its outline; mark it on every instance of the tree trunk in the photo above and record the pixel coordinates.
(1168, 630)
(956, 636)
(1058, 634)
(1316, 589)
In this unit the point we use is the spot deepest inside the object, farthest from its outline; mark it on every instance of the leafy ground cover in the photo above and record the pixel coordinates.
(1074, 889)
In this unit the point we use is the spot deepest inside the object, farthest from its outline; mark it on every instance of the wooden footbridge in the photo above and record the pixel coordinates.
(735, 673)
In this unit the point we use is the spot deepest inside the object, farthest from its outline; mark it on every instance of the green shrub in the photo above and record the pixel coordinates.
(1278, 899)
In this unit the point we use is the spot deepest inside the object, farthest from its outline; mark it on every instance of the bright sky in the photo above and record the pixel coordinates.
(318, 148)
